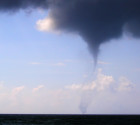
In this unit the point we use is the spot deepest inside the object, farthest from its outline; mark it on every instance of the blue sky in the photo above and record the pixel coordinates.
(50, 72)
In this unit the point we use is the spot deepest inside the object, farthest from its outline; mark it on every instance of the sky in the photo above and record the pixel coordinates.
(47, 71)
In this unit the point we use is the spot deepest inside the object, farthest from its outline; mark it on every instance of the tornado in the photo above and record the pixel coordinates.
(95, 21)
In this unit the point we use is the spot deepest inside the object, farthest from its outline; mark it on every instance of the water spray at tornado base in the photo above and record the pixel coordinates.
(96, 21)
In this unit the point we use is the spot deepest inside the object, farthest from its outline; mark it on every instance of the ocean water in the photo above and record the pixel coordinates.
(20, 119)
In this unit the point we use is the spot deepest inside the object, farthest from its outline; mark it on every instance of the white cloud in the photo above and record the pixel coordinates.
(74, 86)
(16, 90)
(95, 96)
(125, 84)
(38, 88)
(101, 91)
(103, 81)
(15, 94)
(99, 84)
(46, 25)
(81, 86)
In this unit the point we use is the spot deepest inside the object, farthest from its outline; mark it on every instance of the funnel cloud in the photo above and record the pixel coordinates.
(96, 21)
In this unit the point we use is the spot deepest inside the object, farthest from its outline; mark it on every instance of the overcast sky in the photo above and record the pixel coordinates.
(50, 71)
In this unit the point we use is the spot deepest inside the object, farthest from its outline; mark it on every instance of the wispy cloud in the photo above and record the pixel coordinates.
(103, 63)
(59, 64)
(125, 84)
(82, 87)
(35, 63)
(69, 60)
(38, 88)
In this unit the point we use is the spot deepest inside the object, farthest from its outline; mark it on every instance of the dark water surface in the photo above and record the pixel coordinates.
(10, 119)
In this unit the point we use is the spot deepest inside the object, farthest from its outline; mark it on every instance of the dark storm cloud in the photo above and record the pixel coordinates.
(96, 21)
(13, 5)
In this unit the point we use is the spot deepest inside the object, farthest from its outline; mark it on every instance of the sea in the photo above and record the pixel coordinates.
(47, 119)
